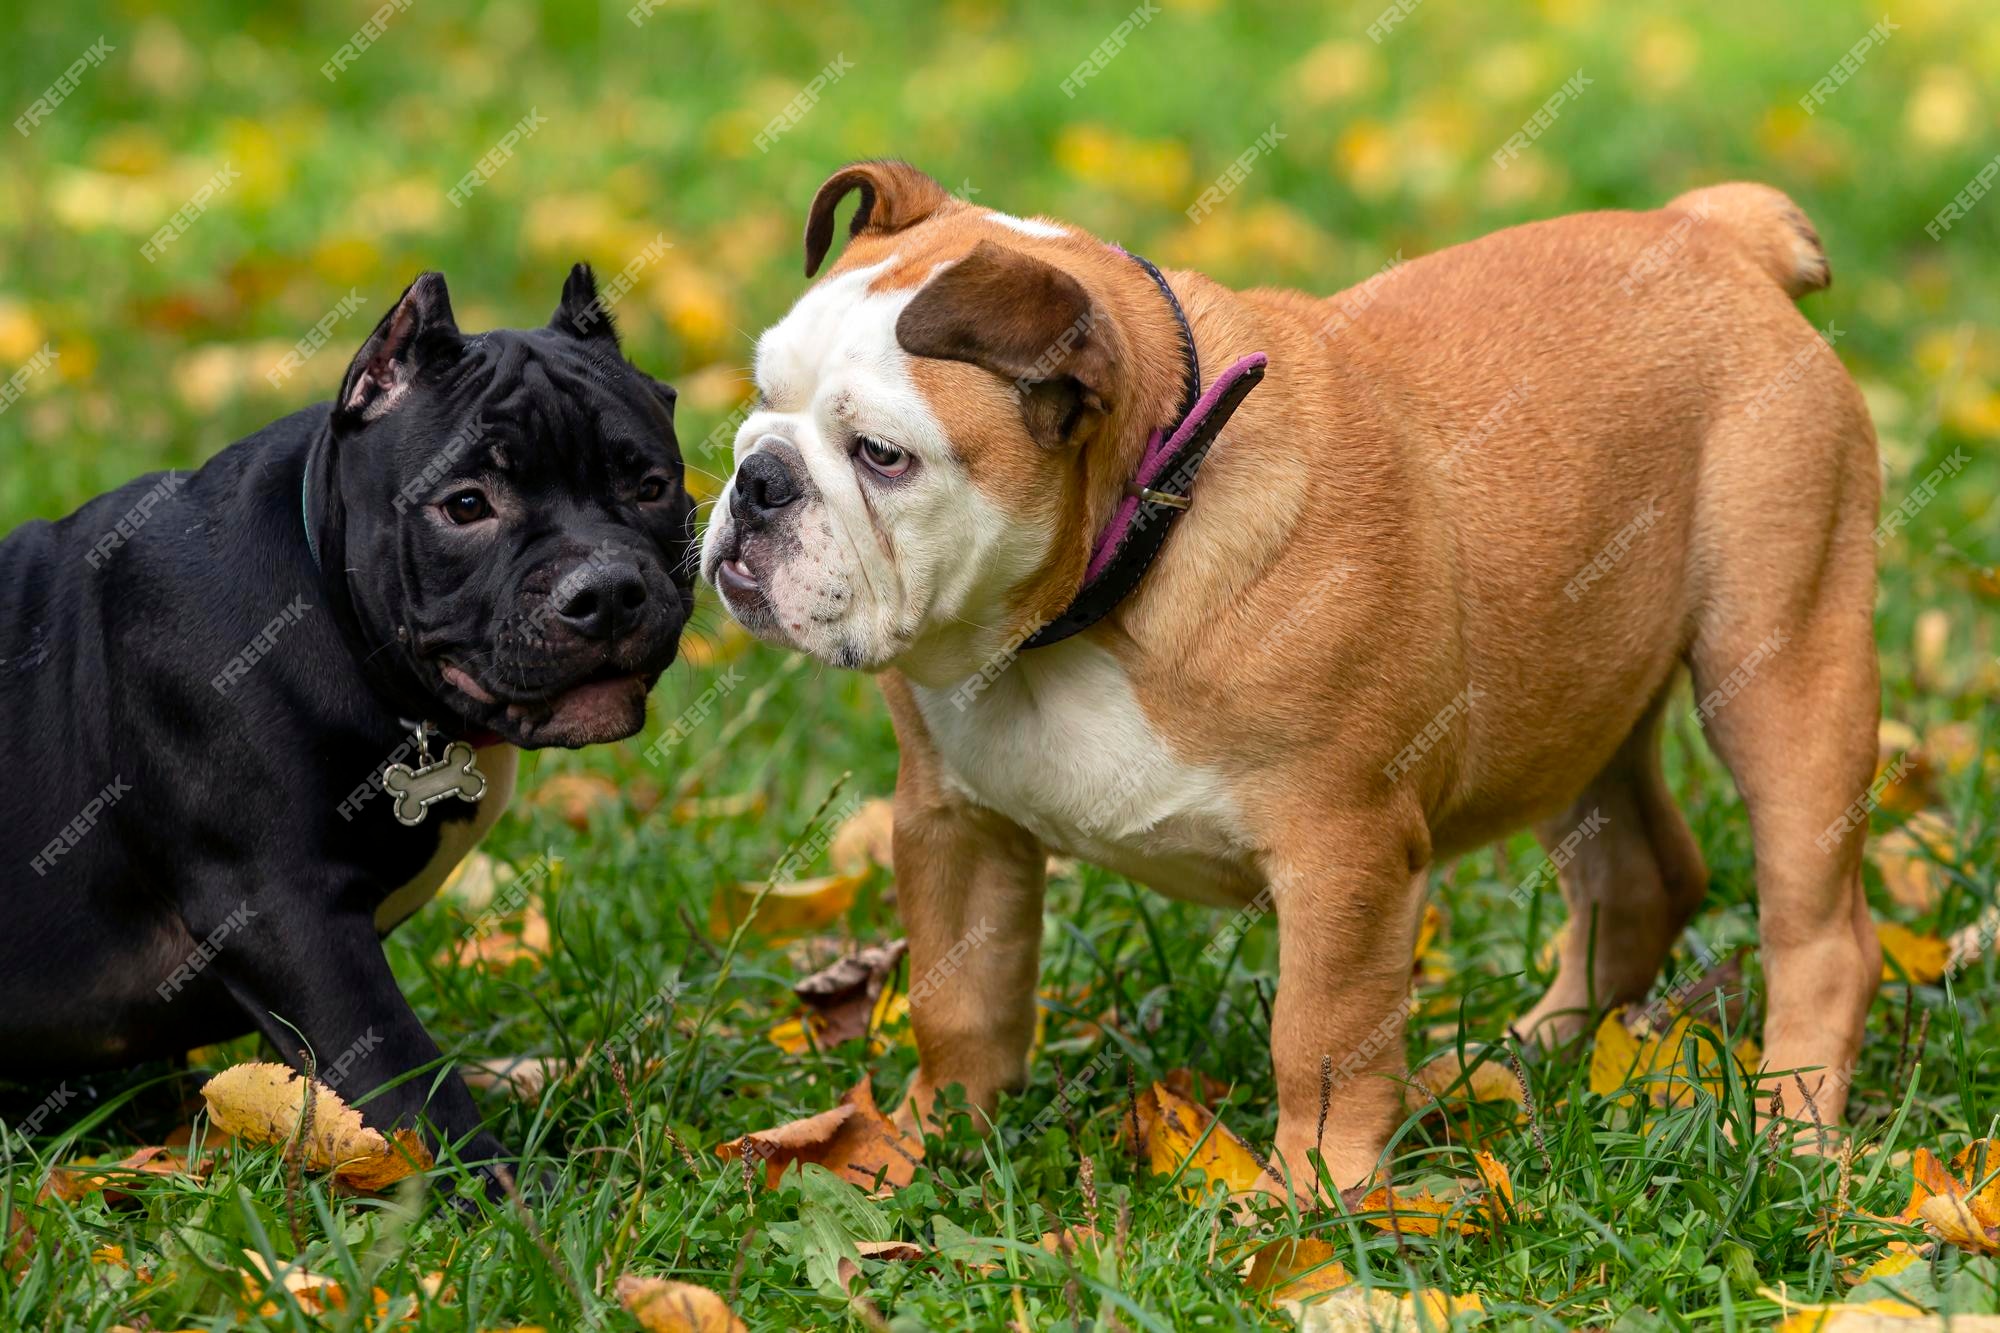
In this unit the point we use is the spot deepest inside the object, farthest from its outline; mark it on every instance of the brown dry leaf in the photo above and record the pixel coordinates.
(575, 797)
(314, 1293)
(867, 838)
(802, 907)
(1175, 1134)
(261, 1103)
(1294, 1270)
(72, 1183)
(841, 999)
(1908, 956)
(1195, 1087)
(526, 938)
(662, 1305)
(854, 1140)
(1909, 859)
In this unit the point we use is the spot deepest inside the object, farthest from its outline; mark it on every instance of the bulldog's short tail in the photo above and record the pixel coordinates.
(1770, 226)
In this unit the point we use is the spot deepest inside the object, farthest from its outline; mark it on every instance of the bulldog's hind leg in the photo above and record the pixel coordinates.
(1628, 864)
(1798, 736)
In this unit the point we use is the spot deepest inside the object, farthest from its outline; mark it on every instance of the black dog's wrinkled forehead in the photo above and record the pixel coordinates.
(540, 404)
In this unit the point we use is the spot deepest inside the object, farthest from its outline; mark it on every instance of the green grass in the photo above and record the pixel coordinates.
(1639, 1217)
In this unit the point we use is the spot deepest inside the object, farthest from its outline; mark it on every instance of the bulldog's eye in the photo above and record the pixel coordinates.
(885, 459)
(467, 506)
(652, 488)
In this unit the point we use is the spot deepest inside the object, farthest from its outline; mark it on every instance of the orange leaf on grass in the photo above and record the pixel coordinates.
(1294, 1270)
(665, 1306)
(118, 1181)
(854, 1140)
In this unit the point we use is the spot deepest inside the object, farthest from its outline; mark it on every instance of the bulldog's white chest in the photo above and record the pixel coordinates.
(456, 839)
(1059, 744)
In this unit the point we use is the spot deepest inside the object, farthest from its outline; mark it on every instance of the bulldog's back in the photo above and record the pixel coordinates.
(1586, 418)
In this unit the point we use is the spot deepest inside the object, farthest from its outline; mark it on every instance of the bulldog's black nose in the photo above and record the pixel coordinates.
(598, 600)
(764, 485)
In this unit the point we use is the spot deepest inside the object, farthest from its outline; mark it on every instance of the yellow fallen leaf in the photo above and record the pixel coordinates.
(1175, 1134)
(665, 1306)
(1951, 1218)
(1294, 1270)
(1418, 1213)
(1372, 1310)
(867, 838)
(1855, 1317)
(1908, 956)
(1626, 1063)
(263, 1103)
(802, 907)
(1912, 858)
(314, 1293)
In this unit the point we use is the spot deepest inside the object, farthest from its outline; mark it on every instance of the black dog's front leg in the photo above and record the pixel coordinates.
(326, 976)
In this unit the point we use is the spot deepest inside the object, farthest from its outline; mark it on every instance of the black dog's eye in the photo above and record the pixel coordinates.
(467, 507)
(652, 488)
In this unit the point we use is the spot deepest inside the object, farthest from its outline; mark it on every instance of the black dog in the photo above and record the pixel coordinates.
(204, 679)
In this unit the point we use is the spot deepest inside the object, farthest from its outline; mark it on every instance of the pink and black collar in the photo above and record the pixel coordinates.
(1160, 490)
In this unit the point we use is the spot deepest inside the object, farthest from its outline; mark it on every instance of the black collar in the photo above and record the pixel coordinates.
(1161, 489)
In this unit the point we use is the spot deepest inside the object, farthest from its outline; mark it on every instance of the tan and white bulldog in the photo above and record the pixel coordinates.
(1436, 583)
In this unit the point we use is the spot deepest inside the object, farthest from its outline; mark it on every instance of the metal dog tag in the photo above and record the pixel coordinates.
(417, 790)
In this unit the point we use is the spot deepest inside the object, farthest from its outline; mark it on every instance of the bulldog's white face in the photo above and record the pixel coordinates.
(855, 529)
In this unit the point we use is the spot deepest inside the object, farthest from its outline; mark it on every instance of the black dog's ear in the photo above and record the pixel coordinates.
(582, 314)
(419, 328)
(665, 393)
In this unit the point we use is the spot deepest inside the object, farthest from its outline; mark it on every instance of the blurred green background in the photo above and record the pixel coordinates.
(652, 128)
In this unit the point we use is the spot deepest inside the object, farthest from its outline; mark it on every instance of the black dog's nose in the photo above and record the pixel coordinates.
(764, 485)
(595, 600)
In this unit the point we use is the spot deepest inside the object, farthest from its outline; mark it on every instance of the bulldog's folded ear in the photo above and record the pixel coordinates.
(894, 195)
(581, 314)
(420, 328)
(1025, 321)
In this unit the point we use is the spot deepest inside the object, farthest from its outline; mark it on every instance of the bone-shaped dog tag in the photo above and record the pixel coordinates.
(417, 790)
